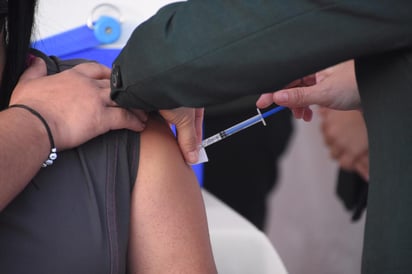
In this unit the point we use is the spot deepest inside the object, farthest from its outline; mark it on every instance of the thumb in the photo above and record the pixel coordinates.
(188, 141)
(199, 116)
(299, 97)
(264, 100)
(36, 70)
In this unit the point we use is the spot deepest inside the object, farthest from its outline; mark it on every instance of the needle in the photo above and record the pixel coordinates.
(240, 126)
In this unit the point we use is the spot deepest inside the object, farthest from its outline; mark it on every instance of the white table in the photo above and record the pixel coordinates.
(238, 246)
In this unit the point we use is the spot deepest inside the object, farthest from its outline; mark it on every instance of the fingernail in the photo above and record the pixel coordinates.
(193, 156)
(281, 97)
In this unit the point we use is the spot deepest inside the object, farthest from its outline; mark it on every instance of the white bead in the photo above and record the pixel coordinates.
(53, 156)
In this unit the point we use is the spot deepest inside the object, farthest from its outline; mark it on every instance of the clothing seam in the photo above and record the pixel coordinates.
(111, 208)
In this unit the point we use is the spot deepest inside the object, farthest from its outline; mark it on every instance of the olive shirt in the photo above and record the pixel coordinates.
(74, 216)
(198, 53)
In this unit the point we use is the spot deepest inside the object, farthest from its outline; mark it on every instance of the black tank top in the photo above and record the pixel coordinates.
(73, 217)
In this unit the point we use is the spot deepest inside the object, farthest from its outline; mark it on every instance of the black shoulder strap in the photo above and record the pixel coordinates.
(55, 64)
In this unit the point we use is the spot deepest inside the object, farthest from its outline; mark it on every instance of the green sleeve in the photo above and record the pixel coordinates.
(199, 53)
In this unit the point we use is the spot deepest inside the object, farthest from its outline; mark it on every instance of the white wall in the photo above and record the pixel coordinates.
(308, 225)
(54, 16)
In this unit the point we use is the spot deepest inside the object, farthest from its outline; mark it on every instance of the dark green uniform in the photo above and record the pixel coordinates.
(199, 53)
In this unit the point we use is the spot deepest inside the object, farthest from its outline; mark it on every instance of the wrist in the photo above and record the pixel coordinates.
(53, 151)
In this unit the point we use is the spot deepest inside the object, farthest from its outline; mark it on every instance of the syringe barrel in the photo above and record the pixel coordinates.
(212, 139)
(244, 124)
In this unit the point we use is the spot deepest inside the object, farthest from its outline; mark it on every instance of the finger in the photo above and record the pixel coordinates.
(199, 114)
(264, 100)
(299, 97)
(35, 70)
(296, 83)
(363, 172)
(105, 98)
(307, 115)
(298, 113)
(347, 162)
(327, 137)
(303, 82)
(104, 83)
(188, 141)
(93, 70)
(362, 167)
(141, 114)
(119, 118)
(310, 80)
(335, 152)
(303, 113)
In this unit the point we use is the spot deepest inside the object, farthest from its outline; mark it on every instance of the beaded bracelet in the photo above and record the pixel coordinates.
(53, 150)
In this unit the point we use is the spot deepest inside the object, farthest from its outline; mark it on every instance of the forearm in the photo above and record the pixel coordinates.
(199, 53)
(24, 145)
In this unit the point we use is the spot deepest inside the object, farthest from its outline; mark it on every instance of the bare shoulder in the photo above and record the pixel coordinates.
(169, 232)
(159, 146)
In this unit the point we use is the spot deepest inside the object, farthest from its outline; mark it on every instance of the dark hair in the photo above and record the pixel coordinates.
(3, 7)
(17, 34)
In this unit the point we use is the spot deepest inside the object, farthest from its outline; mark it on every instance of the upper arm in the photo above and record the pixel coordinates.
(169, 232)
(224, 50)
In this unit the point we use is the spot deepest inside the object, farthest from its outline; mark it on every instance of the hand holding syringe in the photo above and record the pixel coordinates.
(234, 129)
(240, 126)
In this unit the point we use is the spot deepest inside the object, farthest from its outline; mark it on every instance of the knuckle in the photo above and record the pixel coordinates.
(346, 163)
(299, 97)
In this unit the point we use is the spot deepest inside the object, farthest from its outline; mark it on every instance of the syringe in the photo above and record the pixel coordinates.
(240, 126)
